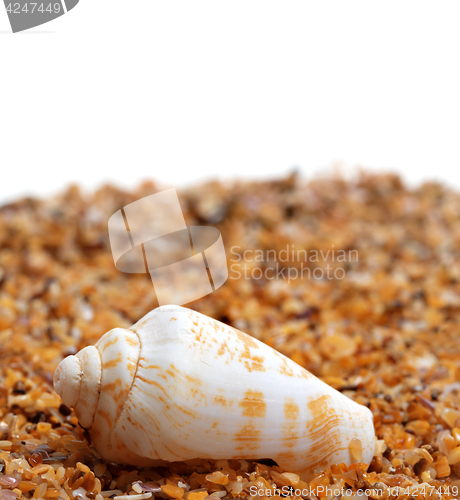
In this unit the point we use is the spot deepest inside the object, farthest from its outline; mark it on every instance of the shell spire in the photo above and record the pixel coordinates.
(77, 381)
(179, 385)
(67, 380)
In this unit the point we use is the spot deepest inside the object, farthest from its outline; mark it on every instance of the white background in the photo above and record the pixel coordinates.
(186, 90)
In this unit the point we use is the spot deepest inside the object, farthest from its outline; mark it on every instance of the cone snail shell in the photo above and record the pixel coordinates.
(179, 385)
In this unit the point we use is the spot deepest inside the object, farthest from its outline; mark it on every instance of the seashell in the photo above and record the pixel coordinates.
(179, 385)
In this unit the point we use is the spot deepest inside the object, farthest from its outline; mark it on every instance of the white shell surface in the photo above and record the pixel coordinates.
(67, 380)
(119, 352)
(90, 366)
(201, 389)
